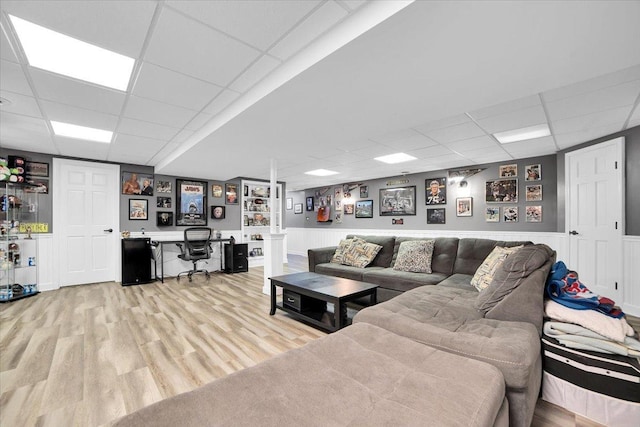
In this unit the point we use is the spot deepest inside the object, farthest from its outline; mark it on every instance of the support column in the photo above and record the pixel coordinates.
(274, 241)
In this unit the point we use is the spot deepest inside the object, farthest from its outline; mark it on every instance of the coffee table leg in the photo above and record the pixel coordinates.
(273, 299)
(374, 297)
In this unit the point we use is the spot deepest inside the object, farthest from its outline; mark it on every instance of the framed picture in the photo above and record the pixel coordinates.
(163, 202)
(533, 172)
(338, 218)
(398, 201)
(436, 191)
(464, 206)
(338, 204)
(348, 209)
(397, 221)
(216, 190)
(289, 203)
(508, 171)
(510, 213)
(217, 212)
(298, 208)
(163, 186)
(364, 208)
(309, 203)
(492, 214)
(191, 203)
(164, 219)
(501, 191)
(364, 191)
(436, 216)
(134, 183)
(138, 209)
(42, 185)
(37, 169)
(533, 193)
(246, 191)
(231, 194)
(533, 214)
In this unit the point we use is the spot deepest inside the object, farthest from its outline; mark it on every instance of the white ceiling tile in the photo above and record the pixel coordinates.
(256, 72)
(372, 149)
(491, 158)
(157, 112)
(182, 136)
(601, 118)
(455, 133)
(78, 116)
(20, 104)
(6, 50)
(395, 136)
(187, 46)
(120, 26)
(506, 107)
(575, 138)
(413, 143)
(199, 121)
(80, 148)
(531, 147)
(134, 149)
(591, 102)
(73, 92)
(320, 21)
(592, 85)
(163, 152)
(221, 102)
(12, 78)
(480, 142)
(174, 88)
(146, 129)
(514, 120)
(442, 123)
(25, 133)
(258, 23)
(426, 153)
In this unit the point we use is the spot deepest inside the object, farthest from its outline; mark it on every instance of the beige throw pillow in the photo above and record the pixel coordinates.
(415, 256)
(338, 255)
(484, 273)
(360, 253)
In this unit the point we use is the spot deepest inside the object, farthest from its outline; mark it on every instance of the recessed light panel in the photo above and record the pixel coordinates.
(55, 52)
(321, 172)
(395, 158)
(523, 134)
(81, 132)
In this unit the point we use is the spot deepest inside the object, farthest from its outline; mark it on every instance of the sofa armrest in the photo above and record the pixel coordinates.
(320, 256)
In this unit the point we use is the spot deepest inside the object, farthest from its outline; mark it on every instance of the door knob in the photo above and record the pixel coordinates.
(109, 230)
(574, 233)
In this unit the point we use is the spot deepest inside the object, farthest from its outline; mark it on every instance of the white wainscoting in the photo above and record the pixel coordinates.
(44, 261)
(631, 275)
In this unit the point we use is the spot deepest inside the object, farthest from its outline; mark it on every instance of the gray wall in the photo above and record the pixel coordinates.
(475, 189)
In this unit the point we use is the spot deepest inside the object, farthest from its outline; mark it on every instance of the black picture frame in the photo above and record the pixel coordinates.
(433, 197)
(163, 202)
(398, 201)
(364, 209)
(297, 208)
(37, 169)
(218, 212)
(501, 190)
(231, 194)
(191, 205)
(164, 219)
(163, 186)
(310, 203)
(138, 209)
(41, 185)
(134, 183)
(436, 216)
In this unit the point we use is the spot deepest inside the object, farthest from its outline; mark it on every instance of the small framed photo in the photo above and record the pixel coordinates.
(510, 213)
(164, 219)
(436, 191)
(338, 218)
(231, 194)
(534, 193)
(464, 206)
(135, 183)
(397, 221)
(217, 212)
(492, 214)
(37, 169)
(163, 202)
(501, 190)
(163, 186)
(298, 208)
(310, 203)
(533, 214)
(42, 185)
(348, 209)
(364, 191)
(364, 208)
(289, 203)
(533, 172)
(138, 209)
(436, 216)
(216, 190)
(508, 171)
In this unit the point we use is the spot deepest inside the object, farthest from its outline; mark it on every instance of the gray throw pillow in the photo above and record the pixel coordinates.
(415, 256)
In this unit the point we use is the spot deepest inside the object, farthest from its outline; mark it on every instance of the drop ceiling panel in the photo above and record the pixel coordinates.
(182, 136)
(442, 123)
(491, 158)
(455, 133)
(20, 104)
(83, 149)
(198, 121)
(146, 129)
(78, 116)
(571, 139)
(532, 147)
(320, 21)
(506, 107)
(134, 149)
(168, 148)
(603, 118)
(526, 117)
(187, 46)
(6, 51)
(257, 23)
(12, 78)
(221, 102)
(430, 152)
(161, 84)
(412, 143)
(480, 142)
(157, 112)
(120, 26)
(25, 133)
(73, 92)
(373, 149)
(256, 72)
(396, 136)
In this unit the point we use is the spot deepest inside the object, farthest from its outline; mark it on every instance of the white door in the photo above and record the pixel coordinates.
(86, 219)
(595, 216)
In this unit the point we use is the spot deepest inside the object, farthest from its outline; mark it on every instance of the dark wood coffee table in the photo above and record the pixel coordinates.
(305, 296)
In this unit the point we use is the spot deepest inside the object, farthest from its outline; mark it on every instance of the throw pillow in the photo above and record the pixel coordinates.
(415, 256)
(338, 255)
(484, 274)
(360, 253)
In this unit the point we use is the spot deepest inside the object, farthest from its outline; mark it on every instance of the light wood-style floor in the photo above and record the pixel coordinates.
(86, 355)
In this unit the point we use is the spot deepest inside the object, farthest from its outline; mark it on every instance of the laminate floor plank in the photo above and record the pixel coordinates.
(20, 406)
(65, 384)
(138, 389)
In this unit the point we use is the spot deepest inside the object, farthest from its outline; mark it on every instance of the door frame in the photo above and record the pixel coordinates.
(57, 213)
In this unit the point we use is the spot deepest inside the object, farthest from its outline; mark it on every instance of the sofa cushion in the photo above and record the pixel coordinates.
(360, 253)
(346, 271)
(484, 275)
(459, 281)
(400, 280)
(444, 253)
(471, 253)
(383, 259)
(338, 255)
(415, 256)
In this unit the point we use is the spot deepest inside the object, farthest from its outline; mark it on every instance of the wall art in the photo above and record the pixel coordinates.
(435, 191)
(138, 209)
(501, 191)
(364, 209)
(135, 183)
(164, 219)
(163, 186)
(436, 216)
(398, 201)
(231, 194)
(191, 203)
(492, 214)
(510, 213)
(217, 212)
(533, 214)
(533, 193)
(533, 172)
(464, 206)
(508, 171)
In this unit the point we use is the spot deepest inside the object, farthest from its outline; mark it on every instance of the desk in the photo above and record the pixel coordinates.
(161, 243)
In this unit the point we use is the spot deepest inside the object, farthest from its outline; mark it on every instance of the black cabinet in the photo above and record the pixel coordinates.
(136, 261)
(236, 258)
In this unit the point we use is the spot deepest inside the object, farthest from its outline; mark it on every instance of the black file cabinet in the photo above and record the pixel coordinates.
(236, 258)
(136, 261)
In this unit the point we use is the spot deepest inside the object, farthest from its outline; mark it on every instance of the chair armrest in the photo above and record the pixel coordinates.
(320, 256)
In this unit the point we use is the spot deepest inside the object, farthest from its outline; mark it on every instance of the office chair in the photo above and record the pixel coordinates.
(197, 246)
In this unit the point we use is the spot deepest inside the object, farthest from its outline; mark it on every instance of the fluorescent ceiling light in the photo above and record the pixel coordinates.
(321, 172)
(523, 134)
(395, 158)
(81, 132)
(71, 57)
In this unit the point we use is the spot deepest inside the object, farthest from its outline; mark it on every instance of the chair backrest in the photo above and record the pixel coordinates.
(196, 241)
